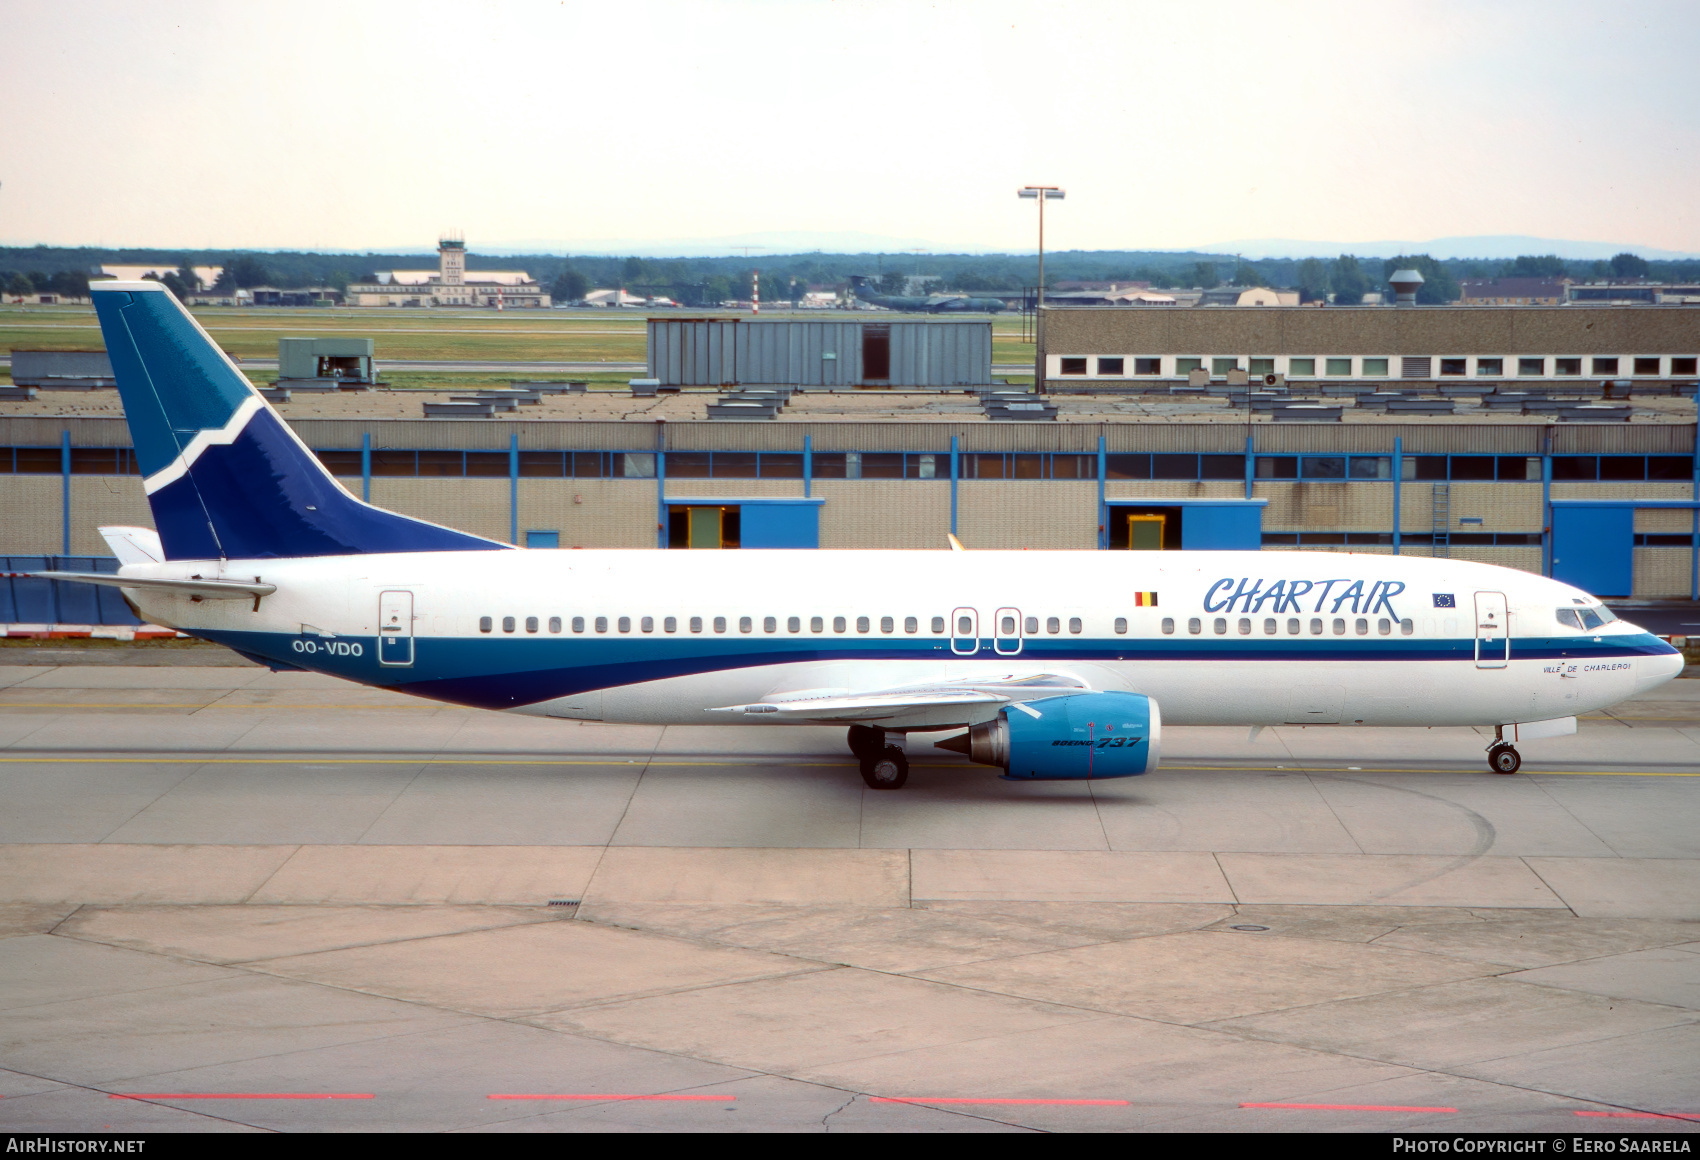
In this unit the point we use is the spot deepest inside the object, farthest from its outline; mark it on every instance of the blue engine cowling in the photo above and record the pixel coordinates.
(1078, 738)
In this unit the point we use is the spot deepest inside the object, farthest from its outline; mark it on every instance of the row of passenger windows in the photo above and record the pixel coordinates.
(1295, 626)
(1006, 626)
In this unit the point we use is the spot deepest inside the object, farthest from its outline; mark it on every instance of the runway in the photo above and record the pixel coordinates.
(222, 884)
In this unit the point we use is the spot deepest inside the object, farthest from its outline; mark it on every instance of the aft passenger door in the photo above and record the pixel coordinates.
(395, 628)
(1493, 631)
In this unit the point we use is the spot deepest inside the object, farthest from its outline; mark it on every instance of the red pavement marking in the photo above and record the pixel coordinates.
(1642, 1115)
(970, 1100)
(584, 1096)
(239, 1095)
(1349, 1107)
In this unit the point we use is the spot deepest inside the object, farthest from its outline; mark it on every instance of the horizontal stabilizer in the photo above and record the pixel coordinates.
(134, 545)
(205, 589)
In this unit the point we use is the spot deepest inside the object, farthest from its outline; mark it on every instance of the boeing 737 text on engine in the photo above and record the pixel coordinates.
(1050, 665)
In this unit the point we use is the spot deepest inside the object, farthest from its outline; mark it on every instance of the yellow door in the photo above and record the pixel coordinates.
(1145, 532)
(705, 527)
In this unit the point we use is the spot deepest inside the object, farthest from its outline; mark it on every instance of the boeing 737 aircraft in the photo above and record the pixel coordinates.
(1053, 665)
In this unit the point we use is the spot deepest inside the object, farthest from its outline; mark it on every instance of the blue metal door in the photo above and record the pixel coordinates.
(1594, 548)
(395, 628)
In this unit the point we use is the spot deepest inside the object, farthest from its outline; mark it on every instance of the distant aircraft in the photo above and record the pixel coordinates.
(1052, 664)
(931, 304)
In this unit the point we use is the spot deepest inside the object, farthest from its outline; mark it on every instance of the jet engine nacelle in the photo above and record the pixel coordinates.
(1083, 737)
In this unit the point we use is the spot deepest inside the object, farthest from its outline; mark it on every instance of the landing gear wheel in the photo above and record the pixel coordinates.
(887, 769)
(866, 741)
(1504, 759)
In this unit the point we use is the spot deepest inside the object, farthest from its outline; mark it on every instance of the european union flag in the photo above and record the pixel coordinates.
(1444, 600)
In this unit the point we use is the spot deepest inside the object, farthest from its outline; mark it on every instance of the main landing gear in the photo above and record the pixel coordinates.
(1503, 757)
(883, 766)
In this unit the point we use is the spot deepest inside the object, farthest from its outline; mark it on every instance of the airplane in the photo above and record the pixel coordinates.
(931, 304)
(1050, 665)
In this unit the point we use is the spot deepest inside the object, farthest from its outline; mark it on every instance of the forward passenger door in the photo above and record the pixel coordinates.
(1493, 631)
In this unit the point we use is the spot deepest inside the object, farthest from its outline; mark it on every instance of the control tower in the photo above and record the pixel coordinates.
(451, 261)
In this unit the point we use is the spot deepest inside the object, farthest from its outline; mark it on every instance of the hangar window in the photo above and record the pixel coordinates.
(838, 624)
(1221, 366)
(1375, 368)
(1337, 366)
(1195, 626)
(1121, 626)
(1531, 366)
(1323, 467)
(1113, 366)
(911, 625)
(1605, 366)
(938, 626)
(485, 624)
(1073, 366)
(554, 624)
(531, 624)
(625, 624)
(1301, 366)
(1453, 366)
(720, 624)
(745, 624)
(1683, 366)
(1168, 626)
(1258, 367)
(1566, 366)
(1490, 366)
(578, 624)
(1185, 366)
(1664, 540)
(816, 624)
(670, 624)
(862, 624)
(507, 624)
(1154, 366)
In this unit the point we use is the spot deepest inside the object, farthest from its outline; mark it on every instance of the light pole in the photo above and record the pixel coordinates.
(1041, 194)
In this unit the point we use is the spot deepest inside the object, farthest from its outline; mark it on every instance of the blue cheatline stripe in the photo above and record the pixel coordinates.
(497, 672)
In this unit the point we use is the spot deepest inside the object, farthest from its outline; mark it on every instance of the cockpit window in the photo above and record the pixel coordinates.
(1591, 618)
(1606, 614)
(1568, 618)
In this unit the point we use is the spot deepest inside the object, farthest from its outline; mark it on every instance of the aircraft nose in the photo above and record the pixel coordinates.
(1653, 671)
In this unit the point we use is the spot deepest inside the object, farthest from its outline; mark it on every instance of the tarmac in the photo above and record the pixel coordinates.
(236, 900)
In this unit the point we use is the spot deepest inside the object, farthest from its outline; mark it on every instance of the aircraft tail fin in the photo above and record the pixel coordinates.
(224, 474)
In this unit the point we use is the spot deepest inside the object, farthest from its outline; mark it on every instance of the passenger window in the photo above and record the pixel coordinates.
(671, 624)
(1293, 626)
(886, 624)
(745, 624)
(1316, 627)
(696, 624)
(1407, 626)
(1032, 626)
(485, 624)
(1339, 626)
(1362, 627)
(816, 624)
(1168, 626)
(531, 624)
(1195, 626)
(647, 624)
(770, 624)
(965, 626)
(1270, 628)
(911, 625)
(938, 626)
(578, 624)
(1221, 626)
(861, 624)
(1053, 625)
(1074, 625)
(1006, 626)
(625, 624)
(507, 624)
(1384, 626)
(720, 624)
(838, 624)
(1121, 626)
(1245, 626)
(554, 624)
(794, 624)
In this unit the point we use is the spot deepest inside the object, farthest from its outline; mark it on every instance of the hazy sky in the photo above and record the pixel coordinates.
(355, 124)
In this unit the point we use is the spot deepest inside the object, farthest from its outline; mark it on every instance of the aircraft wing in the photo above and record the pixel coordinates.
(205, 589)
(884, 704)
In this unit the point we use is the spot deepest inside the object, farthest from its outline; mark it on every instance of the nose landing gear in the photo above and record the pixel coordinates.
(1503, 757)
(883, 766)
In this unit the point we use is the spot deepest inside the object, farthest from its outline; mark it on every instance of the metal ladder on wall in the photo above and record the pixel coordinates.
(1442, 521)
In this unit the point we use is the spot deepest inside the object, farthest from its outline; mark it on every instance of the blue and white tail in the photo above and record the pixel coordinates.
(225, 476)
